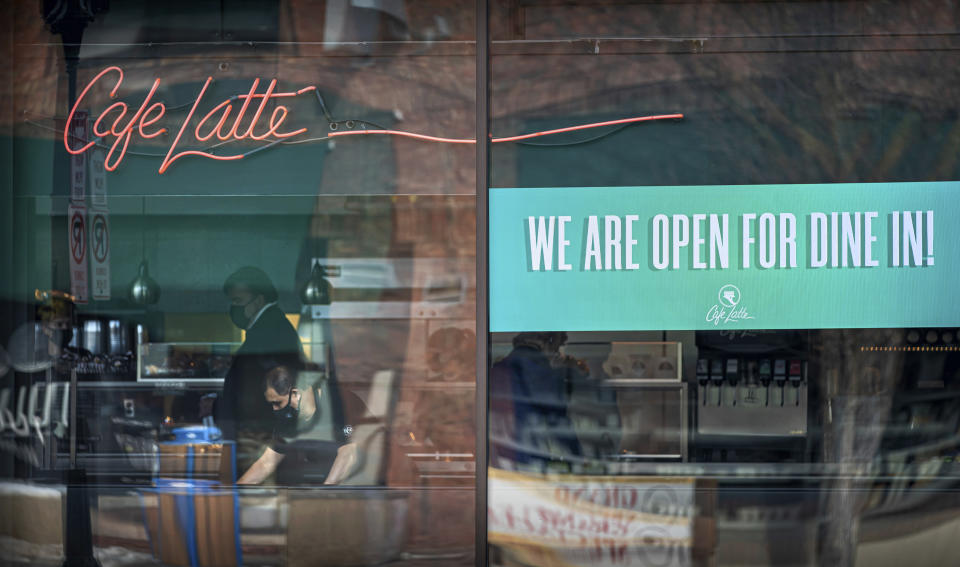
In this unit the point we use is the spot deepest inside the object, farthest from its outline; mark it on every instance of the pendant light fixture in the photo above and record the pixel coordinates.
(143, 290)
(316, 290)
(316, 295)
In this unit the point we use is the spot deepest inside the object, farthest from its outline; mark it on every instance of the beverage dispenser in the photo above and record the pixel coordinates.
(751, 393)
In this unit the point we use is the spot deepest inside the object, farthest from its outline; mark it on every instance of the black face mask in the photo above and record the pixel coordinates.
(286, 417)
(237, 315)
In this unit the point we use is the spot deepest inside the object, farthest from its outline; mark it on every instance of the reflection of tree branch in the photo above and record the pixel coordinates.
(764, 131)
(947, 162)
(857, 392)
(849, 158)
(771, 125)
(897, 144)
(809, 143)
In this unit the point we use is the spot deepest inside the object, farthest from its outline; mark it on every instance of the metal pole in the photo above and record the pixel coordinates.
(69, 18)
(483, 182)
(78, 536)
(73, 418)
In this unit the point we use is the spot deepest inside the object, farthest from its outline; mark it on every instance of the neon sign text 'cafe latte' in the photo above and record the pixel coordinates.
(228, 127)
(217, 122)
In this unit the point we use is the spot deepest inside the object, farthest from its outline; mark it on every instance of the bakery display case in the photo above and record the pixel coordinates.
(630, 408)
(195, 362)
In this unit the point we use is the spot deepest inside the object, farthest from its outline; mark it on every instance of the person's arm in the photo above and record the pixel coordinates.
(261, 469)
(346, 458)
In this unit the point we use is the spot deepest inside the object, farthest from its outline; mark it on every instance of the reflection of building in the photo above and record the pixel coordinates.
(401, 231)
(771, 93)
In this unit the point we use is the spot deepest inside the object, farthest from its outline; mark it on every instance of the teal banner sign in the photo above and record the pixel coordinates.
(855, 255)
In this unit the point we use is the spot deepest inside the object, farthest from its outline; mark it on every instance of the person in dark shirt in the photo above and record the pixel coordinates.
(309, 445)
(529, 393)
(270, 341)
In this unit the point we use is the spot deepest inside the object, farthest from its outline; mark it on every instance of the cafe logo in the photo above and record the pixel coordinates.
(728, 308)
(729, 296)
(253, 116)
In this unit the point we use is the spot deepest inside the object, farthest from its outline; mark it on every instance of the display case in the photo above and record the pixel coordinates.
(203, 363)
(631, 407)
(184, 361)
(643, 362)
(605, 406)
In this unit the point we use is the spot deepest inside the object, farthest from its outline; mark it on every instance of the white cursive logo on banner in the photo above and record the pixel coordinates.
(728, 308)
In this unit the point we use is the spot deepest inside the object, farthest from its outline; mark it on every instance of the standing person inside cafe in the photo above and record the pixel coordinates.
(270, 340)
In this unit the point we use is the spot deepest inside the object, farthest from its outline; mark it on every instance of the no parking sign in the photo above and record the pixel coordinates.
(77, 231)
(100, 253)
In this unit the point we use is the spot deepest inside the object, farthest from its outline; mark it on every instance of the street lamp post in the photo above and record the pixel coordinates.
(68, 18)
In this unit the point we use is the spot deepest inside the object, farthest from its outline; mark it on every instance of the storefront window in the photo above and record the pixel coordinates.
(719, 335)
(262, 287)
(243, 297)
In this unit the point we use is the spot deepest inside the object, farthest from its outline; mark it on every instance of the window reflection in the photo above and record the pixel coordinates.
(786, 447)
(367, 244)
(759, 432)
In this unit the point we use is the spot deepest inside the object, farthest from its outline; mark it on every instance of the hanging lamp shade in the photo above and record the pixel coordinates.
(143, 289)
(317, 289)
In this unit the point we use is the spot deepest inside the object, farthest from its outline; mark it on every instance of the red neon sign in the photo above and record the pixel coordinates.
(217, 121)
(222, 123)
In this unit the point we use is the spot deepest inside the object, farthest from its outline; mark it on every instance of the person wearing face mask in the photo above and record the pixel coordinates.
(58, 316)
(310, 445)
(270, 340)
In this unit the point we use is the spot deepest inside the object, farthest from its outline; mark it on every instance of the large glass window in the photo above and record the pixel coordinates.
(663, 391)
(263, 287)
(239, 283)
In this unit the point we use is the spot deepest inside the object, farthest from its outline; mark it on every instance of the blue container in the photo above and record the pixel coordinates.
(185, 485)
(196, 434)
